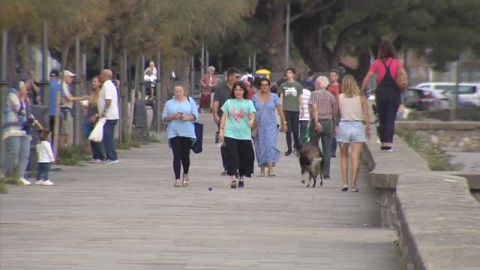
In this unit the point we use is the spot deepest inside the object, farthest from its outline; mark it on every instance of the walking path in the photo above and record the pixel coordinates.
(129, 216)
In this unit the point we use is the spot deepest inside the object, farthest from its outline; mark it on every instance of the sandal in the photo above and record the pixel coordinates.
(177, 183)
(354, 189)
(271, 174)
(234, 184)
(185, 181)
(261, 175)
(345, 188)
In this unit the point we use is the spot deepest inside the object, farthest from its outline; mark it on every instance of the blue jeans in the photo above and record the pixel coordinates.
(108, 139)
(17, 152)
(43, 170)
(326, 140)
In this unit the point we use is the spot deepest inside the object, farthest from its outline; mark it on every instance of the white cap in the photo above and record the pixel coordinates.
(68, 73)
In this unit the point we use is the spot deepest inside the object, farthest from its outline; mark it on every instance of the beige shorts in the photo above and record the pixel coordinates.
(66, 125)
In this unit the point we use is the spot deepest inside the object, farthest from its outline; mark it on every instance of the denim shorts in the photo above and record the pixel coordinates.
(351, 132)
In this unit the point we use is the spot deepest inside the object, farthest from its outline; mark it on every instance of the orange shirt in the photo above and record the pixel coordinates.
(335, 91)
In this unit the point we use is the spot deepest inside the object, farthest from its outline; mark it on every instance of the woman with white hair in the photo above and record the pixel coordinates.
(324, 111)
(208, 82)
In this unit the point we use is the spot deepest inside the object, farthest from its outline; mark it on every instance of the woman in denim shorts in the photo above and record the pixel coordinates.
(351, 130)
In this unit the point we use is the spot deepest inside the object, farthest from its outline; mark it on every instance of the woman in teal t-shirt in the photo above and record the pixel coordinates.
(236, 131)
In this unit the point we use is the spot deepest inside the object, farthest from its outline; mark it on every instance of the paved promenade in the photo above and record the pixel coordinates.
(129, 216)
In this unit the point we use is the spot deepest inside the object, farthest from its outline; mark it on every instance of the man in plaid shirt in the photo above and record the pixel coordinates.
(324, 110)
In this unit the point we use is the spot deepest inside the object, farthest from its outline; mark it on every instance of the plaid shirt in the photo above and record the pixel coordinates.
(326, 104)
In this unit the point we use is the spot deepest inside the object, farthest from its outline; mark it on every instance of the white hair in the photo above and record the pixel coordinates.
(321, 82)
(210, 68)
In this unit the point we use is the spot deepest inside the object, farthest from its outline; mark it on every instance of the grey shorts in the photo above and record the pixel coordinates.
(351, 132)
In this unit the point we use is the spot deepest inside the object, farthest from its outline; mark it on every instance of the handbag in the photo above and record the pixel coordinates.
(197, 146)
(401, 80)
(97, 133)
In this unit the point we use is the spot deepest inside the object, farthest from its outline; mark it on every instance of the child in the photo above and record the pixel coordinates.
(45, 158)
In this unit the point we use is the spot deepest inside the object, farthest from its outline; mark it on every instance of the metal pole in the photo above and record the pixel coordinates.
(192, 75)
(143, 83)
(77, 120)
(158, 96)
(102, 53)
(287, 37)
(249, 62)
(45, 85)
(455, 96)
(202, 65)
(254, 61)
(3, 87)
(207, 59)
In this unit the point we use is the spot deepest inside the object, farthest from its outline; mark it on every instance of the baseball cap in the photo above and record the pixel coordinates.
(54, 73)
(68, 73)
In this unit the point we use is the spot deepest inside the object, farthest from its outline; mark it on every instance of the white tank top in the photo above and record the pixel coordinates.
(350, 108)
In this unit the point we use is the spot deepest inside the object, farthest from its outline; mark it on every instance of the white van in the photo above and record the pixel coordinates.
(469, 92)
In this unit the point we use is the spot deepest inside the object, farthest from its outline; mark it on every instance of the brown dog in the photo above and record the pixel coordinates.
(311, 163)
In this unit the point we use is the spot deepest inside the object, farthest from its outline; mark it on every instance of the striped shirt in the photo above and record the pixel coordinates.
(305, 98)
(326, 104)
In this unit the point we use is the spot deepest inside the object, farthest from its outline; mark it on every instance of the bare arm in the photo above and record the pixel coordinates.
(215, 111)
(366, 114)
(283, 124)
(221, 132)
(365, 82)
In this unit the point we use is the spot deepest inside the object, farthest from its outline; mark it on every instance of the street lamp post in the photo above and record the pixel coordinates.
(77, 120)
(287, 37)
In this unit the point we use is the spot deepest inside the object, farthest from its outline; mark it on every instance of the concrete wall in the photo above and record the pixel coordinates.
(450, 136)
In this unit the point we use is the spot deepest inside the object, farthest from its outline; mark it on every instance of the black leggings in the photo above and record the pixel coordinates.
(181, 152)
(240, 157)
(387, 114)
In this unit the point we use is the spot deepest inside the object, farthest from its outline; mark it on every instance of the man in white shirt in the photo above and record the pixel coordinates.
(304, 118)
(108, 108)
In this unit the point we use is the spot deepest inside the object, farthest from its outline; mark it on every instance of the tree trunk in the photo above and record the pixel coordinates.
(306, 39)
(11, 55)
(274, 43)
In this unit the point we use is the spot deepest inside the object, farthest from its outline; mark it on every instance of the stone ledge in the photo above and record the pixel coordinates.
(434, 212)
(421, 125)
(439, 229)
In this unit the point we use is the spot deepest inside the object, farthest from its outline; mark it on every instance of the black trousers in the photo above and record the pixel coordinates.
(240, 157)
(292, 123)
(181, 154)
(387, 114)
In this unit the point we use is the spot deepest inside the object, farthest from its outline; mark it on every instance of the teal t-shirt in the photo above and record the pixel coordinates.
(237, 112)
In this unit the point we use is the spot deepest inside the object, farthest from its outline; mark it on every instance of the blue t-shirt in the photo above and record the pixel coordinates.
(55, 87)
(238, 111)
(177, 127)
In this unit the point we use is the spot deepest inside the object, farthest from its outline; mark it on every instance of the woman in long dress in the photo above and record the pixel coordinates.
(265, 142)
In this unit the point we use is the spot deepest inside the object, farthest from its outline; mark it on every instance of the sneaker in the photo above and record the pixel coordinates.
(95, 161)
(48, 183)
(234, 184)
(296, 153)
(224, 172)
(288, 153)
(110, 161)
(241, 184)
(334, 155)
(178, 183)
(24, 181)
(39, 182)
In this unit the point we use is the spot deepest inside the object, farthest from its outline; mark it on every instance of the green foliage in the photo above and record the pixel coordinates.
(437, 158)
(73, 156)
(470, 114)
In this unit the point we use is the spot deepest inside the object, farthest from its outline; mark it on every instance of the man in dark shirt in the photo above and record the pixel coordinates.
(222, 94)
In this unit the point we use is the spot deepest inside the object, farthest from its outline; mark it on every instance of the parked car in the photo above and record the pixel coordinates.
(419, 99)
(469, 93)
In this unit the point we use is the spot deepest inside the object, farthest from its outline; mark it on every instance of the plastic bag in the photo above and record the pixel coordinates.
(97, 132)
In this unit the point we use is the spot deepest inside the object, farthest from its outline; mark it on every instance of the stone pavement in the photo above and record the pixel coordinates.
(129, 216)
